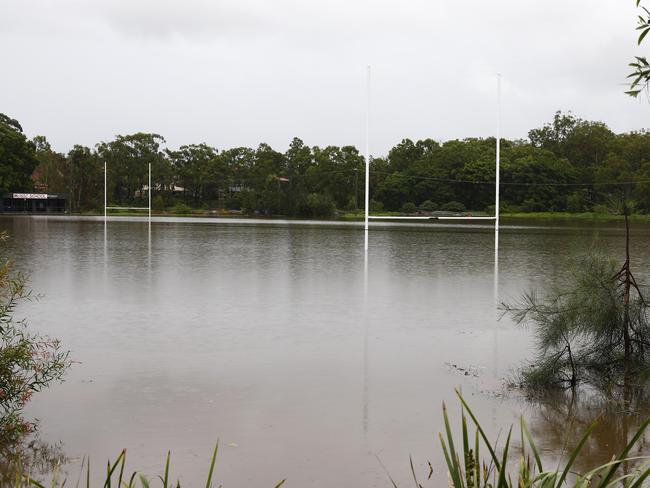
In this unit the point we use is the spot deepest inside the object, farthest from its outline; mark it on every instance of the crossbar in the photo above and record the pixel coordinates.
(373, 217)
(127, 208)
(466, 218)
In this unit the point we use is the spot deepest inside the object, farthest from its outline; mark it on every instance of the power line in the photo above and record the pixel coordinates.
(512, 183)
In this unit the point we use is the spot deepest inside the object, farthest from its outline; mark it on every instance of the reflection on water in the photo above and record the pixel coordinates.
(559, 421)
(286, 341)
(31, 455)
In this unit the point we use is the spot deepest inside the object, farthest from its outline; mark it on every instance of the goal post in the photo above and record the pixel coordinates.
(494, 217)
(115, 207)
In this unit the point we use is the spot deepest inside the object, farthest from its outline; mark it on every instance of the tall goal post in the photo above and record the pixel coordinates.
(494, 218)
(367, 157)
(107, 208)
(498, 165)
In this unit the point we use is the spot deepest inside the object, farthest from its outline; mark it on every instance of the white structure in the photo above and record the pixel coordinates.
(106, 207)
(495, 218)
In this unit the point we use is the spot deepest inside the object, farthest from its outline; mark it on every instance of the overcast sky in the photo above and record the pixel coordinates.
(241, 72)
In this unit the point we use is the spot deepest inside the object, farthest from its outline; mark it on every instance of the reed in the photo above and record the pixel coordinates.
(468, 469)
(116, 476)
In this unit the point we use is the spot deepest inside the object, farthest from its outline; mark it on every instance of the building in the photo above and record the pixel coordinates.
(33, 203)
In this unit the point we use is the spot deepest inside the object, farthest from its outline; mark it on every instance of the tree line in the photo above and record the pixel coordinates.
(568, 164)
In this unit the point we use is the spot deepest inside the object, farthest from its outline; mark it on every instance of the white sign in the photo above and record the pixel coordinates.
(31, 196)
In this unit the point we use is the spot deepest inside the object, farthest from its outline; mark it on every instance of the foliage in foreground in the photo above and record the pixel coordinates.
(640, 76)
(594, 327)
(467, 469)
(28, 362)
(480, 464)
(116, 475)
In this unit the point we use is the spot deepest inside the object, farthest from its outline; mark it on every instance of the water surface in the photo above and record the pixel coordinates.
(280, 340)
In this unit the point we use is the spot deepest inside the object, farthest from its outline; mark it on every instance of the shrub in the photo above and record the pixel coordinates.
(409, 208)
(182, 209)
(157, 203)
(320, 205)
(601, 209)
(596, 327)
(28, 362)
(428, 206)
(453, 206)
(532, 205)
(352, 205)
(577, 201)
(247, 201)
(376, 206)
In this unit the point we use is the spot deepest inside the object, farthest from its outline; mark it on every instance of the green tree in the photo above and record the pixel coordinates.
(128, 158)
(594, 327)
(50, 174)
(17, 157)
(83, 179)
(193, 168)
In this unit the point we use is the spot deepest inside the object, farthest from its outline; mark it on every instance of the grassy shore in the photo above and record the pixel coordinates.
(359, 216)
(583, 216)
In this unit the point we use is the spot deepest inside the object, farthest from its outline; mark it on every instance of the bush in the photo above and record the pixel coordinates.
(577, 201)
(601, 209)
(593, 328)
(376, 206)
(453, 206)
(182, 209)
(247, 201)
(532, 205)
(157, 203)
(409, 208)
(352, 205)
(320, 205)
(428, 206)
(28, 362)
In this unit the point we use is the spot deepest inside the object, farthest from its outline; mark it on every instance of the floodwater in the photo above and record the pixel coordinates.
(305, 358)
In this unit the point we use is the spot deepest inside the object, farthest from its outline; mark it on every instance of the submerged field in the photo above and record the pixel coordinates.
(279, 340)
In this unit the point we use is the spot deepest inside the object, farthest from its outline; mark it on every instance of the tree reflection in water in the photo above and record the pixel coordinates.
(558, 421)
(29, 454)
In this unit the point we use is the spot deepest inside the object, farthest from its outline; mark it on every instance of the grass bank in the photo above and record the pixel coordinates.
(359, 216)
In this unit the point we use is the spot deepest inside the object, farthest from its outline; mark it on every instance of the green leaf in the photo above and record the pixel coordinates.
(538, 459)
(575, 453)
(208, 483)
(627, 449)
(166, 479)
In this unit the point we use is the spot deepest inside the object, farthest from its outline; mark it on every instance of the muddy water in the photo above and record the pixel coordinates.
(307, 359)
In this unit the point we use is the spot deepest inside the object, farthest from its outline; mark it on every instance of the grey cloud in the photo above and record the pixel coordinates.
(233, 72)
(189, 19)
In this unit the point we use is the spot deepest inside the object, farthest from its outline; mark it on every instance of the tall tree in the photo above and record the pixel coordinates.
(50, 174)
(17, 157)
(128, 158)
(192, 166)
(83, 176)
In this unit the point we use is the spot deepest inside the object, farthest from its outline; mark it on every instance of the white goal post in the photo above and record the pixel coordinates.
(107, 208)
(494, 218)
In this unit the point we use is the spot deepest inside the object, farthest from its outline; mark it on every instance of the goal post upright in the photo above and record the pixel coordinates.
(105, 195)
(498, 164)
(149, 192)
(113, 207)
(367, 156)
